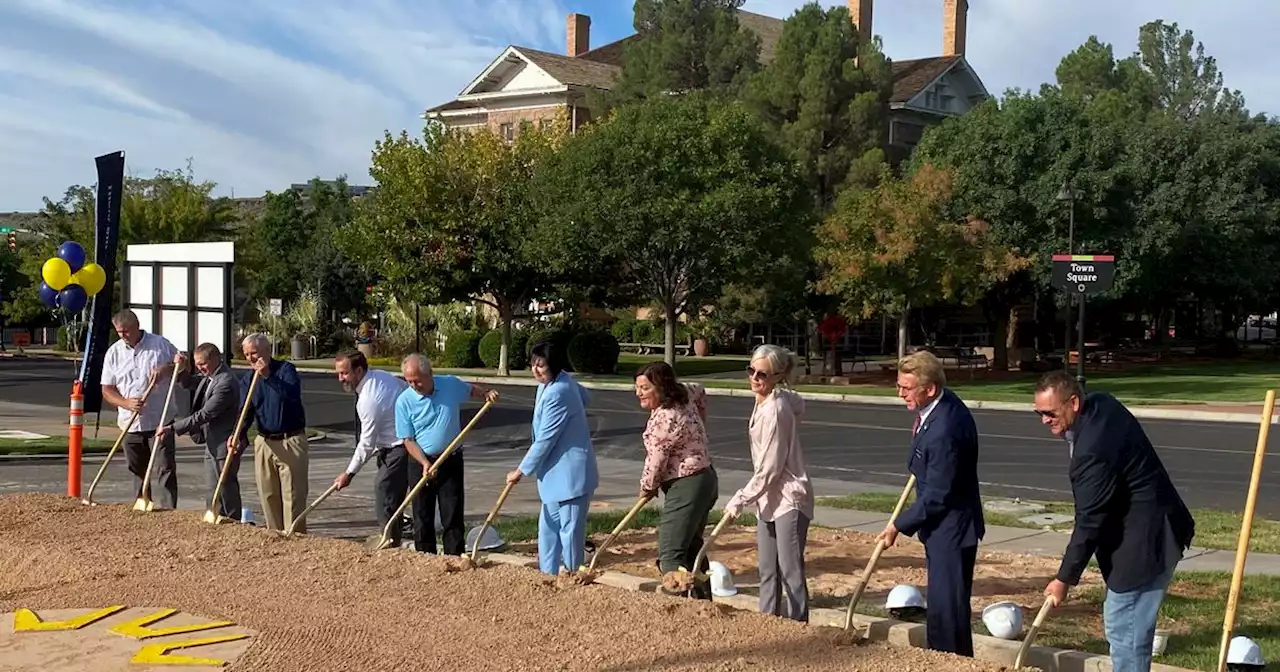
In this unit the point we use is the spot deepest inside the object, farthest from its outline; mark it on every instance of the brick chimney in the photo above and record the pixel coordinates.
(955, 20)
(860, 12)
(578, 34)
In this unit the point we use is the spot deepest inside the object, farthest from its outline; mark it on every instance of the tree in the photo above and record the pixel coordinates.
(684, 45)
(674, 197)
(451, 217)
(292, 245)
(896, 246)
(827, 94)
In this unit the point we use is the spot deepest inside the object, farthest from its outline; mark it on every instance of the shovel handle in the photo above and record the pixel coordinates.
(702, 552)
(493, 513)
(622, 524)
(1031, 634)
(875, 556)
(235, 435)
(88, 498)
(302, 516)
(426, 476)
(155, 448)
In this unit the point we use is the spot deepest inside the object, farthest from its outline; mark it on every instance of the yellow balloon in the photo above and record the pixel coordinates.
(56, 273)
(90, 276)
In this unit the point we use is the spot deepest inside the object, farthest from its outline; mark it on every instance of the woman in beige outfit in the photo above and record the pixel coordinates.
(779, 487)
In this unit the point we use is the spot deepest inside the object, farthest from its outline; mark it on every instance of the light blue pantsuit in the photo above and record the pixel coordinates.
(562, 457)
(562, 535)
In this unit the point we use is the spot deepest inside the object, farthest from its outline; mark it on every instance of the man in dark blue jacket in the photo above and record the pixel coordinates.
(947, 512)
(1128, 513)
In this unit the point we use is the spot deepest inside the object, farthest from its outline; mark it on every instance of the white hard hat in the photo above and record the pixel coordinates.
(1003, 620)
(904, 596)
(490, 541)
(721, 580)
(1244, 651)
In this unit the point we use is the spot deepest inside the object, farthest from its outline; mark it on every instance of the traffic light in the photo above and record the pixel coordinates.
(13, 240)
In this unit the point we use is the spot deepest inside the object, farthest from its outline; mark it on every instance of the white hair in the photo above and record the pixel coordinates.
(780, 360)
(260, 343)
(419, 360)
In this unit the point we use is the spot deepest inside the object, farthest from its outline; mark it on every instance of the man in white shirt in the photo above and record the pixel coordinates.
(126, 370)
(376, 391)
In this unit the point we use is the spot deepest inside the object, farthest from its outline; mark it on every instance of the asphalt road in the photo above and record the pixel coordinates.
(1209, 462)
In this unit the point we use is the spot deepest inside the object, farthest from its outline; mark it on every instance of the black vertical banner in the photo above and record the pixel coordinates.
(107, 237)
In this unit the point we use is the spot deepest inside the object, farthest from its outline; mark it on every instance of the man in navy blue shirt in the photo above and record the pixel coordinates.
(280, 455)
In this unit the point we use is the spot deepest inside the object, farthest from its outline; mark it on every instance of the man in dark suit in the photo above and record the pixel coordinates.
(947, 512)
(1127, 513)
(214, 413)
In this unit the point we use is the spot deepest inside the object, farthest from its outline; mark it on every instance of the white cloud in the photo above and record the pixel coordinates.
(258, 94)
(1018, 43)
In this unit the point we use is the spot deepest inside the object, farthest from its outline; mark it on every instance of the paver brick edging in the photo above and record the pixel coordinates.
(897, 633)
(975, 404)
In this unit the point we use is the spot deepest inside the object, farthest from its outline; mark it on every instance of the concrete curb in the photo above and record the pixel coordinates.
(869, 400)
(896, 633)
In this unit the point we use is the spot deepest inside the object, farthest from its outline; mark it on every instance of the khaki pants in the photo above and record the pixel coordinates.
(281, 471)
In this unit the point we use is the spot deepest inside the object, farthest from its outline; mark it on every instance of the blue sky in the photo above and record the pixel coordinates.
(263, 93)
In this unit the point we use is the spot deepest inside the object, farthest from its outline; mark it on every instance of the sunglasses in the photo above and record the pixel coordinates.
(757, 374)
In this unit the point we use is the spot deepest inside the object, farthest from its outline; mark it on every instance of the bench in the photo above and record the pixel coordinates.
(965, 357)
(682, 349)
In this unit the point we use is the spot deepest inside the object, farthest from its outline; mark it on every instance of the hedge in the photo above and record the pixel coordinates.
(490, 349)
(559, 338)
(594, 352)
(462, 350)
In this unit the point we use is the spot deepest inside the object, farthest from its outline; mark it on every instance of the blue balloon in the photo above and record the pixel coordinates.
(48, 295)
(72, 298)
(72, 253)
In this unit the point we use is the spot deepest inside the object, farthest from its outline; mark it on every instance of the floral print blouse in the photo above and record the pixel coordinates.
(675, 441)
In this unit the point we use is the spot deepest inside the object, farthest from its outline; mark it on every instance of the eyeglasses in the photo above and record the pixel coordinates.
(1052, 415)
(757, 374)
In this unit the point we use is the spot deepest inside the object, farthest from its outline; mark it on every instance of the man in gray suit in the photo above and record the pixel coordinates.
(214, 413)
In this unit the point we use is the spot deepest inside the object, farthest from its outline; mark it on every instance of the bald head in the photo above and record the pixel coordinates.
(416, 369)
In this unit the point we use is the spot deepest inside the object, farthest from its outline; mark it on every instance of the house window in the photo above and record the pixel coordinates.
(940, 98)
(507, 131)
(905, 133)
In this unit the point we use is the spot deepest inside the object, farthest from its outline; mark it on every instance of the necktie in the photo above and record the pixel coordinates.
(916, 427)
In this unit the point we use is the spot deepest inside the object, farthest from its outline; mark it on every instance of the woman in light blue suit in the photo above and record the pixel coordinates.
(564, 461)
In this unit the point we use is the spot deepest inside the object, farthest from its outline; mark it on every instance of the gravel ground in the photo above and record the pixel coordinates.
(326, 604)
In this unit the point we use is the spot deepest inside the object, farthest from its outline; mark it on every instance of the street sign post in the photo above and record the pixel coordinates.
(1083, 274)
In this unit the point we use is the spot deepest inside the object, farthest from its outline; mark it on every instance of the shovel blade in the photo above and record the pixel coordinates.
(144, 505)
(210, 517)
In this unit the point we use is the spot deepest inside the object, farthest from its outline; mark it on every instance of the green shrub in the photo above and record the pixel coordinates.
(490, 349)
(462, 350)
(594, 352)
(623, 330)
(645, 331)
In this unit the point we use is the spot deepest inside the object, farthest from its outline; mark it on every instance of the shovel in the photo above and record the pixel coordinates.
(475, 546)
(288, 531)
(88, 497)
(1031, 634)
(695, 576)
(875, 557)
(144, 503)
(385, 540)
(209, 515)
(587, 574)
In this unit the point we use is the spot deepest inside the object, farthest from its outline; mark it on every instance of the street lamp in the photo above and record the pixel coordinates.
(1068, 195)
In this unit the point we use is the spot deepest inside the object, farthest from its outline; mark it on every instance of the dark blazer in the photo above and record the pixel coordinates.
(215, 409)
(944, 459)
(1127, 510)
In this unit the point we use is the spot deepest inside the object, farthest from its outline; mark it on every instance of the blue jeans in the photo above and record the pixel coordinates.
(562, 535)
(1130, 622)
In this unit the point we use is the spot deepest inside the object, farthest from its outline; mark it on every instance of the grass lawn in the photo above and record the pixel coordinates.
(57, 445)
(525, 528)
(1214, 528)
(1193, 611)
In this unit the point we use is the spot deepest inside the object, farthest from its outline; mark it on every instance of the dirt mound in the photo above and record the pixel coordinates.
(326, 604)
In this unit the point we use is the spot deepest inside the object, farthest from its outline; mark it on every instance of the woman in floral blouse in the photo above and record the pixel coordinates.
(677, 462)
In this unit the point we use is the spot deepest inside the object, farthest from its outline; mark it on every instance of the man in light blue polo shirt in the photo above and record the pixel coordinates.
(428, 418)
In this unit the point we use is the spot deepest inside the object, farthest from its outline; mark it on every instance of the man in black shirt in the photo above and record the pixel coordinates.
(1128, 513)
